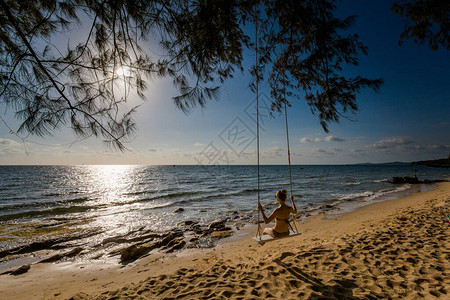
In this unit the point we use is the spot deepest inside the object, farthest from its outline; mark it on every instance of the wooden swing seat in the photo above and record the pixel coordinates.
(268, 238)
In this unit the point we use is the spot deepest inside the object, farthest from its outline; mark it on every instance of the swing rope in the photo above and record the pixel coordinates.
(294, 228)
(259, 232)
(287, 141)
(294, 219)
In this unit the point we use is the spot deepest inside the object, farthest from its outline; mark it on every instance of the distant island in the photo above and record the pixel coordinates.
(392, 163)
(436, 163)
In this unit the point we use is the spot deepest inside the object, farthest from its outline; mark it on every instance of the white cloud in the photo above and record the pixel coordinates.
(392, 143)
(439, 147)
(402, 146)
(10, 152)
(248, 153)
(333, 139)
(356, 150)
(318, 140)
(197, 144)
(328, 151)
(8, 142)
(318, 150)
(275, 151)
(356, 153)
(395, 141)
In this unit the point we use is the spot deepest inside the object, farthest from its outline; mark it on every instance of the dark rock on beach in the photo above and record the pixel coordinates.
(57, 257)
(222, 234)
(169, 242)
(145, 237)
(30, 247)
(165, 241)
(217, 225)
(134, 252)
(23, 269)
(405, 179)
(116, 240)
(178, 210)
(175, 244)
(52, 243)
(327, 206)
(413, 180)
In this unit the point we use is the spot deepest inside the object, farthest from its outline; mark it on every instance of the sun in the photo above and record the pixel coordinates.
(122, 72)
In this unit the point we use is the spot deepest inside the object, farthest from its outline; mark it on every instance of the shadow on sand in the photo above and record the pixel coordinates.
(343, 289)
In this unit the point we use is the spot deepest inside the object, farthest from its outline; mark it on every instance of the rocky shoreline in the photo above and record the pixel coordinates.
(124, 248)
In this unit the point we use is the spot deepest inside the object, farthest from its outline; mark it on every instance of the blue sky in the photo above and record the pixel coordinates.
(407, 120)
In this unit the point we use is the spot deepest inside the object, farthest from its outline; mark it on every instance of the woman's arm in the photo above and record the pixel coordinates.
(269, 219)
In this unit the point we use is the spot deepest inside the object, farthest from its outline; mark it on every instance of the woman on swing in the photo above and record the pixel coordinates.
(281, 216)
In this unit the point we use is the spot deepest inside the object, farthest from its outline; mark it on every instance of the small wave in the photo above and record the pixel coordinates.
(157, 206)
(180, 194)
(167, 196)
(139, 193)
(8, 186)
(59, 194)
(353, 183)
(48, 212)
(158, 197)
(384, 192)
(353, 196)
(248, 191)
(129, 209)
(201, 199)
(371, 195)
(379, 180)
(397, 189)
(218, 196)
(37, 204)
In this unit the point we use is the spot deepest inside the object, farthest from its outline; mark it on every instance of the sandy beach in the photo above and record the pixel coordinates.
(392, 249)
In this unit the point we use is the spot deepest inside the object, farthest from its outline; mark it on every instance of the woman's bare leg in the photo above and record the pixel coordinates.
(269, 231)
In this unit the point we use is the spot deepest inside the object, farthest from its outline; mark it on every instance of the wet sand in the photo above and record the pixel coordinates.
(392, 249)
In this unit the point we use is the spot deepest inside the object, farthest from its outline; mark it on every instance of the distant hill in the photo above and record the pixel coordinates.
(436, 163)
(393, 163)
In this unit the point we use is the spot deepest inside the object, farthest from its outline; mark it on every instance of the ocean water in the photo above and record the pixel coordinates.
(121, 199)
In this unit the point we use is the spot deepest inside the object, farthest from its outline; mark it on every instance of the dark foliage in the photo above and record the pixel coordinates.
(312, 56)
(427, 21)
(86, 88)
